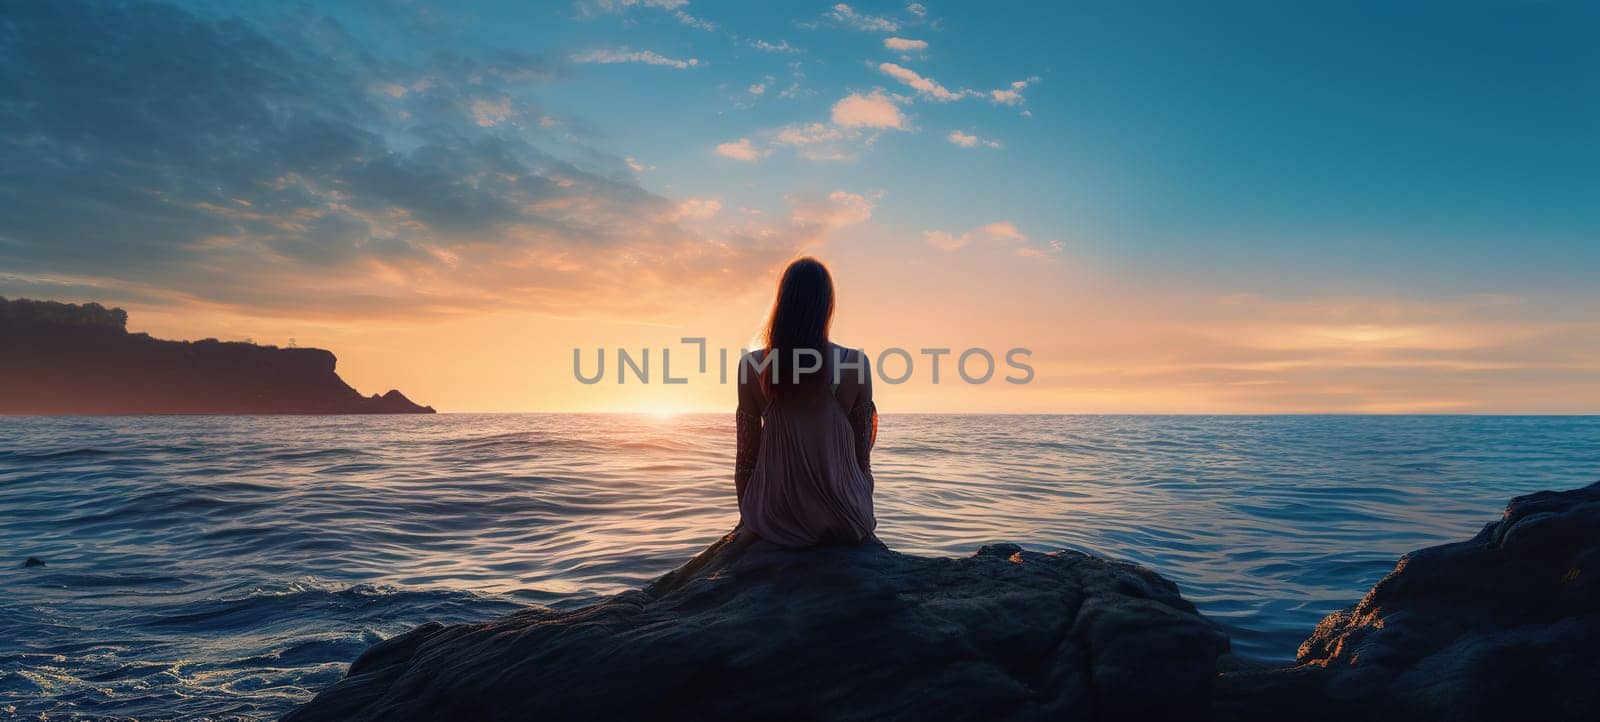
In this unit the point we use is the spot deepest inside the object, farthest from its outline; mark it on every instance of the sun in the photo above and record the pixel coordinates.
(661, 413)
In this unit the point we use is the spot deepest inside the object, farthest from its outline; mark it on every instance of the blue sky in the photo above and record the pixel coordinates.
(1417, 179)
(1415, 144)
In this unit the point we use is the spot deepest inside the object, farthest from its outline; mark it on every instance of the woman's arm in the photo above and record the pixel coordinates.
(747, 428)
(864, 418)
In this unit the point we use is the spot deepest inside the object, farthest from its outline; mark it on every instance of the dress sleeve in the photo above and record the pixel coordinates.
(864, 420)
(747, 430)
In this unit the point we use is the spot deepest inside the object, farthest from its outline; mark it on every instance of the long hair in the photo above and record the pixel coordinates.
(801, 317)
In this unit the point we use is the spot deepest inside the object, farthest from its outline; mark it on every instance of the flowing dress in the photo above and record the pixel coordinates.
(804, 473)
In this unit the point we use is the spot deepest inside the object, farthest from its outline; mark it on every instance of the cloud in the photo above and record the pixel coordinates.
(758, 88)
(1013, 94)
(925, 86)
(811, 141)
(944, 241)
(967, 140)
(819, 215)
(826, 154)
(697, 209)
(796, 77)
(675, 7)
(817, 141)
(808, 134)
(489, 113)
(1003, 234)
(917, 9)
(847, 16)
(1001, 231)
(292, 179)
(623, 55)
(1052, 248)
(873, 110)
(905, 45)
(616, 6)
(856, 120)
(740, 149)
(782, 46)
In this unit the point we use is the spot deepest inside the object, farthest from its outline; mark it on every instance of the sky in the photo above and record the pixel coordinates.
(1231, 207)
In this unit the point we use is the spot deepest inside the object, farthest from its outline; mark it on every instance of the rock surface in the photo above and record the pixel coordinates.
(747, 630)
(1501, 627)
(1504, 626)
(61, 358)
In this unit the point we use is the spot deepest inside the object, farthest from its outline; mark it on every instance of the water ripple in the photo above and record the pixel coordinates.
(228, 566)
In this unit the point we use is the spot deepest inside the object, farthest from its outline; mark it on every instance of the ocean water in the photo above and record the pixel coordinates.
(231, 566)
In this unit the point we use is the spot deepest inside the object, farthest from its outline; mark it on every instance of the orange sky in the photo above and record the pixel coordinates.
(1100, 343)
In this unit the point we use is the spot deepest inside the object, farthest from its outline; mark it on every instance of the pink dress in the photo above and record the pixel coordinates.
(804, 473)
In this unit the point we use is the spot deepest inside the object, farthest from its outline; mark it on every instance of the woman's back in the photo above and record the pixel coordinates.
(804, 475)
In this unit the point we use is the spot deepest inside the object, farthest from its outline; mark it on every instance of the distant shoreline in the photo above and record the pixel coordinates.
(70, 359)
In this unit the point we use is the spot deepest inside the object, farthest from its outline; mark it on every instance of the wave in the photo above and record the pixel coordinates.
(9, 455)
(227, 566)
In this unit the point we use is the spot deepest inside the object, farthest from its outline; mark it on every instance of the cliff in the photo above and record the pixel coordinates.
(58, 358)
(1499, 627)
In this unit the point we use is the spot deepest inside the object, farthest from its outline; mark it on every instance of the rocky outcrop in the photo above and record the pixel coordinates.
(58, 358)
(1503, 626)
(748, 630)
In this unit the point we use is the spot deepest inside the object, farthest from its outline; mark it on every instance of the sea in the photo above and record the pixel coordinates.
(228, 567)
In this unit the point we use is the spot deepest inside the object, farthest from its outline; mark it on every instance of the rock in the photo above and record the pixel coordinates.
(748, 630)
(33, 562)
(63, 358)
(1501, 627)
(395, 402)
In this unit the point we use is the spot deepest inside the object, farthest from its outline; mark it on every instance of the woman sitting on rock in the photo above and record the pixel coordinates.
(806, 423)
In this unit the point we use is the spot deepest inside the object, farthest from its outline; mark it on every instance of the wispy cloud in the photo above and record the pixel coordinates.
(1051, 248)
(624, 55)
(797, 76)
(808, 134)
(854, 122)
(782, 46)
(905, 45)
(696, 209)
(489, 113)
(847, 16)
(741, 149)
(1000, 234)
(927, 87)
(931, 89)
(675, 7)
(967, 140)
(824, 214)
(1012, 95)
(917, 9)
(817, 141)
